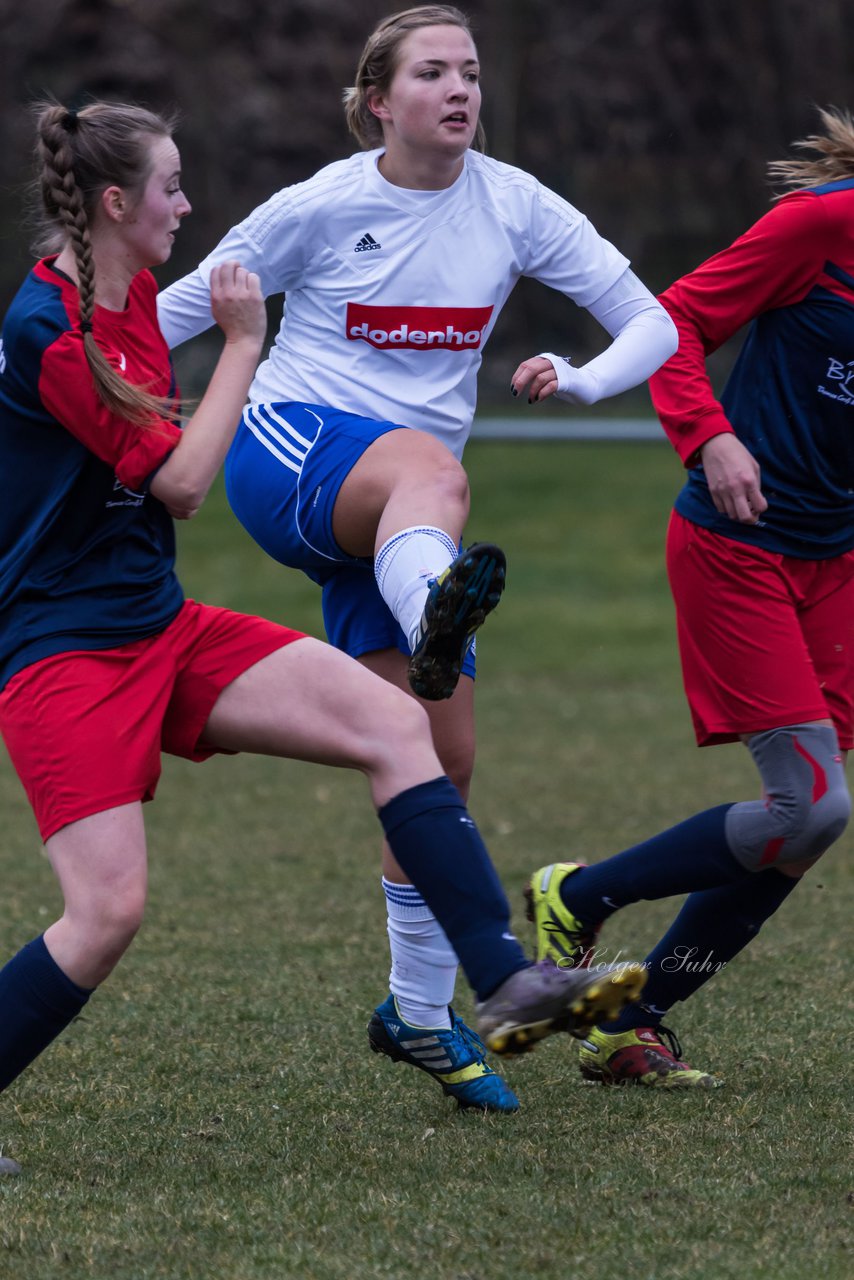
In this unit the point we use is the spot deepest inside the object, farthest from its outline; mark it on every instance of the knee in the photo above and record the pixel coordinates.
(410, 720)
(448, 479)
(799, 833)
(831, 818)
(807, 829)
(808, 804)
(396, 724)
(110, 925)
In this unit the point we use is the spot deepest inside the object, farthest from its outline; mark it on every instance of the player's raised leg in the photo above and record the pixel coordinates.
(405, 501)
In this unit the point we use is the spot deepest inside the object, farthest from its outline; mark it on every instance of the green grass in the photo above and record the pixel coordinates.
(215, 1114)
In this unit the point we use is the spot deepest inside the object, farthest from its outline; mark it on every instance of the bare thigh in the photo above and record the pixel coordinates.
(451, 721)
(308, 701)
(404, 478)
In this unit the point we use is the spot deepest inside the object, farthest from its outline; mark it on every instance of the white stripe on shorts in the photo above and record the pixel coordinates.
(290, 440)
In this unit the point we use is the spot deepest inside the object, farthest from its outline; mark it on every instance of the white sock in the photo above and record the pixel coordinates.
(405, 565)
(423, 962)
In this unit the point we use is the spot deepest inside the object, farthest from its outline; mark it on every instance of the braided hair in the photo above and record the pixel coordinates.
(79, 154)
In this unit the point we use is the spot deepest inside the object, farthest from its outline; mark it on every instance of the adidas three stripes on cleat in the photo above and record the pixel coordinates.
(454, 1057)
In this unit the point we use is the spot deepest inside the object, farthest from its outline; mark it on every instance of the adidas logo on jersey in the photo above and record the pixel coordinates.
(367, 242)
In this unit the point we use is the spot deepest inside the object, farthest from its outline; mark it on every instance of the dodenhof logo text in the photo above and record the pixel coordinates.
(418, 328)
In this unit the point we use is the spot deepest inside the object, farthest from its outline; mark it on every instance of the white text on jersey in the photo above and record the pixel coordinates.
(418, 328)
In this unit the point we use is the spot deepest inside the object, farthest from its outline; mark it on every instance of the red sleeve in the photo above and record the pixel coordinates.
(67, 391)
(772, 265)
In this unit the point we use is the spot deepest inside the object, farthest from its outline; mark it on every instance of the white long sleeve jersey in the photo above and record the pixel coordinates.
(392, 293)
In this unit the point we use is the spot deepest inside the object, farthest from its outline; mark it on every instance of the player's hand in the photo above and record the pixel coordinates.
(733, 477)
(537, 377)
(542, 378)
(237, 303)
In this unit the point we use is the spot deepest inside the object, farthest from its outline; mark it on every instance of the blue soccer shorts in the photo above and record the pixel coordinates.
(283, 475)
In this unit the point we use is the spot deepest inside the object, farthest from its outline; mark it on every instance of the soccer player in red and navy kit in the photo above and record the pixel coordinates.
(396, 263)
(760, 556)
(103, 662)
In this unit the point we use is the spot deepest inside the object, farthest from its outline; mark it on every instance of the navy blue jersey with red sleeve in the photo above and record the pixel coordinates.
(790, 396)
(86, 552)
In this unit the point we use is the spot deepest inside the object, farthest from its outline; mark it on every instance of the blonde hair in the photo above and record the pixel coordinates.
(378, 64)
(79, 154)
(835, 158)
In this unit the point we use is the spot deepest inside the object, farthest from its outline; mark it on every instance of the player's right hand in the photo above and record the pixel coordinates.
(732, 474)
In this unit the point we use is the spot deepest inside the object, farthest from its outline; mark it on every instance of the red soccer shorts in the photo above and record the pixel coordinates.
(85, 730)
(766, 640)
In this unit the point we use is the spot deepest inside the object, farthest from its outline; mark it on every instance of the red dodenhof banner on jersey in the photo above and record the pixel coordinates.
(418, 328)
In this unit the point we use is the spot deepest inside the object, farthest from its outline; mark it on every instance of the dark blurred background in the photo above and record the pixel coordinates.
(654, 117)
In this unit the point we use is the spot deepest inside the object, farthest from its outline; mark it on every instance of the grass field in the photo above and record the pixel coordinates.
(215, 1115)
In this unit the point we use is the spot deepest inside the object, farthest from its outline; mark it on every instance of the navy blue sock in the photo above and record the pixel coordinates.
(37, 1001)
(693, 855)
(439, 847)
(712, 927)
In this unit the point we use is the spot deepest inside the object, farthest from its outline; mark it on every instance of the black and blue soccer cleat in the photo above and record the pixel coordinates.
(455, 1057)
(459, 601)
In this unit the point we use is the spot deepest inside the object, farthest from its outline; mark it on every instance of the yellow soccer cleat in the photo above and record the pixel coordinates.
(641, 1057)
(560, 936)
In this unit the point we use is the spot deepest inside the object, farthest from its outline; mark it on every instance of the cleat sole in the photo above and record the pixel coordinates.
(601, 1002)
(515, 1041)
(471, 591)
(651, 1080)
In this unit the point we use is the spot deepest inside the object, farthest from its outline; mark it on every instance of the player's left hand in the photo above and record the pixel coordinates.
(536, 376)
(547, 375)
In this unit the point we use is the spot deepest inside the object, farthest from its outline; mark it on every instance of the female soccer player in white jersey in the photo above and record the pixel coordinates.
(396, 263)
